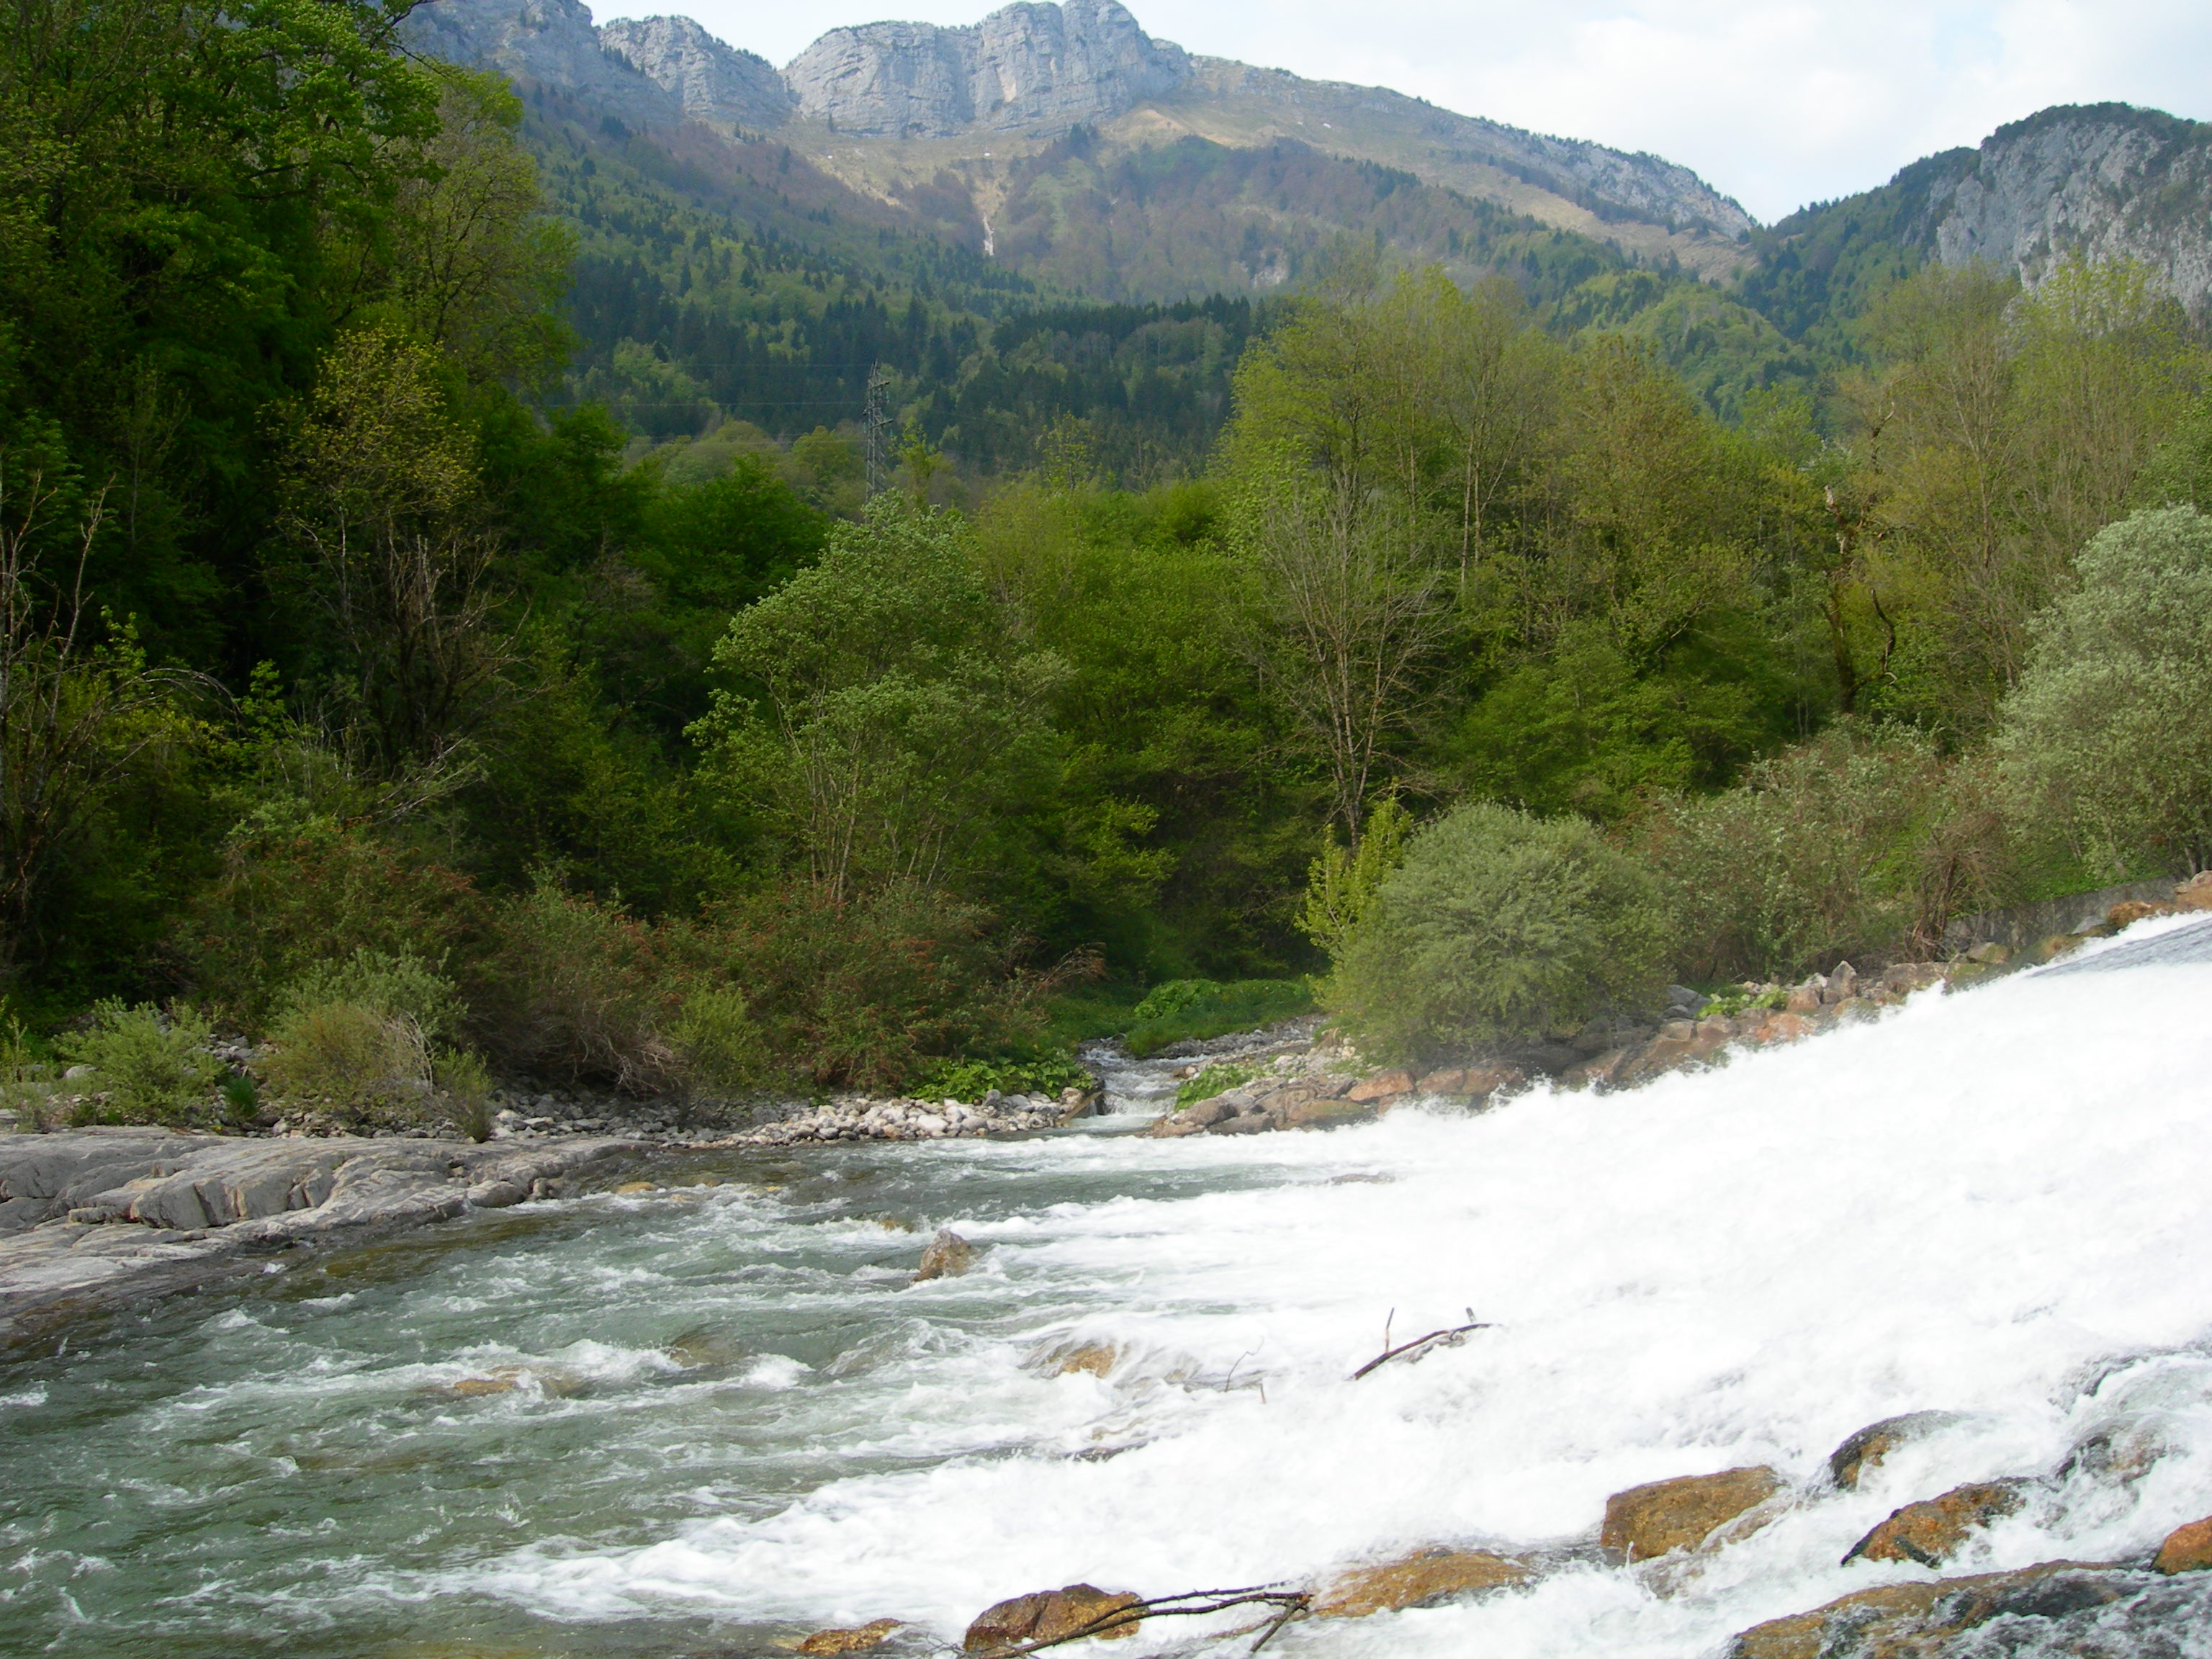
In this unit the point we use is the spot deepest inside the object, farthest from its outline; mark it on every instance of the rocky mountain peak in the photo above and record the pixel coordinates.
(1027, 65)
(712, 82)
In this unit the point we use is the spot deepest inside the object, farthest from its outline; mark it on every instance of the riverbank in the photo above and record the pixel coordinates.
(101, 1219)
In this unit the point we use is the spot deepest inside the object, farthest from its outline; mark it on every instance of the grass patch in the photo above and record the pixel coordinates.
(1216, 1079)
(1244, 1005)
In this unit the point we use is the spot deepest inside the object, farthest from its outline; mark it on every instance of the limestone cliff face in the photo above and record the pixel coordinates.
(713, 83)
(2104, 181)
(1031, 66)
(549, 42)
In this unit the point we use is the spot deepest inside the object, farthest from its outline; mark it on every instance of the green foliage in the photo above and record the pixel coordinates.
(1499, 928)
(2106, 737)
(1342, 886)
(1859, 845)
(1176, 996)
(970, 1080)
(1240, 1006)
(580, 989)
(401, 984)
(362, 1064)
(1218, 1078)
(719, 1048)
(154, 1067)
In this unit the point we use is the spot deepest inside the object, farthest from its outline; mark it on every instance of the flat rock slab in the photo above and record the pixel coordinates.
(104, 1218)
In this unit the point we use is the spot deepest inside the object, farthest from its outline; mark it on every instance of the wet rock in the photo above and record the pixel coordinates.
(948, 1255)
(1096, 1359)
(1864, 1450)
(1932, 1531)
(495, 1194)
(1649, 1520)
(1384, 1085)
(1843, 984)
(1446, 1080)
(1306, 1112)
(859, 1639)
(1805, 998)
(1921, 1621)
(630, 1189)
(1244, 1123)
(1433, 1575)
(1050, 1616)
(1990, 954)
(2195, 894)
(2186, 1549)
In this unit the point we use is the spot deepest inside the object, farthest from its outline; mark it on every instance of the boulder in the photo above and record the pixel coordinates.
(1990, 954)
(2195, 894)
(1304, 1112)
(496, 1195)
(1050, 1616)
(1384, 1085)
(1864, 1450)
(1095, 1357)
(947, 1256)
(1806, 998)
(1244, 1123)
(1432, 1575)
(859, 1639)
(2127, 912)
(1681, 1514)
(1842, 983)
(2187, 1549)
(1445, 1080)
(1920, 1621)
(1933, 1530)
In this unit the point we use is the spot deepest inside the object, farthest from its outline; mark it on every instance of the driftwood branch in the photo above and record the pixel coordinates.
(1450, 1337)
(1289, 1604)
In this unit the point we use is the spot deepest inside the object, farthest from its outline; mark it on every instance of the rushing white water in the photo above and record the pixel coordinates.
(1995, 1203)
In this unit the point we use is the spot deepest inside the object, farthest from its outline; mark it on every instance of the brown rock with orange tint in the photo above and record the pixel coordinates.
(859, 1639)
(2187, 1549)
(1654, 1520)
(1430, 1576)
(1931, 1532)
(1877, 1440)
(1050, 1616)
(1384, 1085)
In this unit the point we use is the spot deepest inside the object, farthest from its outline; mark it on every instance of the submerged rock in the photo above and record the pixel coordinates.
(1050, 1616)
(1932, 1531)
(947, 1256)
(858, 1639)
(1920, 1621)
(1863, 1450)
(1655, 1519)
(1432, 1575)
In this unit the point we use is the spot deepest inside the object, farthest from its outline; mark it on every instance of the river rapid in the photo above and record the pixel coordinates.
(711, 1418)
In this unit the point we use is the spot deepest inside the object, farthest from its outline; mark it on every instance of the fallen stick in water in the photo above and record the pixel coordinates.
(1290, 1604)
(1450, 1337)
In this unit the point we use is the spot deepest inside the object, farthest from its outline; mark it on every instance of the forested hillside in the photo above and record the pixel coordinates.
(463, 605)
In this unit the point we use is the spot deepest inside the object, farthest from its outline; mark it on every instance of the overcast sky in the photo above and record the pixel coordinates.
(1776, 102)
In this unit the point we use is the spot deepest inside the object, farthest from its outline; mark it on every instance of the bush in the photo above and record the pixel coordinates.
(358, 1062)
(1860, 844)
(1174, 997)
(291, 900)
(717, 1047)
(1216, 1079)
(583, 990)
(971, 1079)
(400, 984)
(154, 1068)
(2106, 739)
(1499, 927)
(1244, 1004)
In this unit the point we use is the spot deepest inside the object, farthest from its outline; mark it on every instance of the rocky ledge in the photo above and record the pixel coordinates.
(97, 1219)
(861, 1117)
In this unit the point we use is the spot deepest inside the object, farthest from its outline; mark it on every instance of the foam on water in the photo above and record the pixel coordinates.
(734, 1415)
(1991, 1203)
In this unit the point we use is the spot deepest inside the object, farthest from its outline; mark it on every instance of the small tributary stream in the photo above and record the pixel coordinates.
(710, 1417)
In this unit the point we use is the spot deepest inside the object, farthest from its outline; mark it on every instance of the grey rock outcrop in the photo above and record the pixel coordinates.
(2101, 181)
(713, 83)
(1026, 65)
(548, 43)
(96, 1218)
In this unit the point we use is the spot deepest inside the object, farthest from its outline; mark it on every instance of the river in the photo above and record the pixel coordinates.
(710, 1417)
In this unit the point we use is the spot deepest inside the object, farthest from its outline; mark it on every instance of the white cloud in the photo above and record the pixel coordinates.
(1778, 103)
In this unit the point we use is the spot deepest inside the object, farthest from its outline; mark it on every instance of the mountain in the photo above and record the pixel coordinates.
(950, 123)
(2102, 180)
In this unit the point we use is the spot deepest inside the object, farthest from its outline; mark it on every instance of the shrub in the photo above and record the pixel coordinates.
(971, 1079)
(152, 1066)
(1860, 844)
(1498, 928)
(2106, 737)
(1243, 1005)
(1174, 997)
(582, 989)
(291, 900)
(1341, 886)
(398, 983)
(718, 1047)
(359, 1062)
(1216, 1079)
